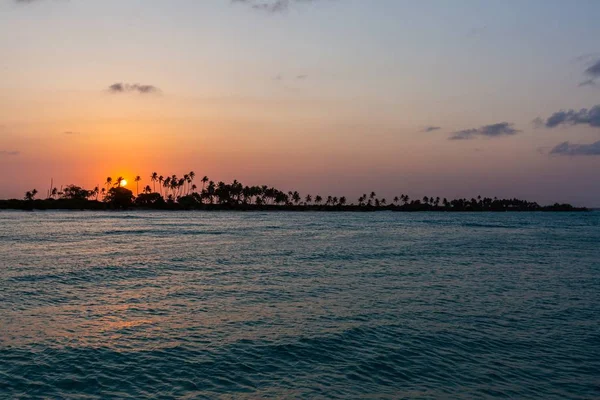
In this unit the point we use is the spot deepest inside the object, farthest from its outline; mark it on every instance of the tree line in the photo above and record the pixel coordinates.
(185, 192)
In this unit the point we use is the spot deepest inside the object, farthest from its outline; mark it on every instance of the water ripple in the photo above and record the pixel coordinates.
(308, 305)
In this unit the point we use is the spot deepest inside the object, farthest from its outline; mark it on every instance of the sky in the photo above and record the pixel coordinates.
(330, 97)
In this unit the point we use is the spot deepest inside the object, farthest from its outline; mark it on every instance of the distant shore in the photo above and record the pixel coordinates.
(93, 205)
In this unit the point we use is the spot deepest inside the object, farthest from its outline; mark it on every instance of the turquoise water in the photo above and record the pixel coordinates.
(299, 305)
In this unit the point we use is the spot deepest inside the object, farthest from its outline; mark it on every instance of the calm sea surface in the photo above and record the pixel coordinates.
(299, 305)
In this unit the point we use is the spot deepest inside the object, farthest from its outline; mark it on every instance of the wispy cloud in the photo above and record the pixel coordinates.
(573, 149)
(584, 116)
(431, 128)
(491, 131)
(71, 133)
(119, 87)
(9, 153)
(271, 6)
(592, 73)
(477, 31)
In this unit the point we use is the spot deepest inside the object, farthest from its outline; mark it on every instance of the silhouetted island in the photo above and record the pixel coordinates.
(176, 193)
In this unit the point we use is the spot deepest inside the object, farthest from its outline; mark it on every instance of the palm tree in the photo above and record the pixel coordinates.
(396, 200)
(210, 190)
(154, 178)
(296, 197)
(186, 180)
(204, 181)
(318, 199)
(137, 185)
(191, 175)
(103, 193)
(30, 196)
(308, 199)
(342, 201)
(119, 181)
(161, 179)
(166, 184)
(108, 182)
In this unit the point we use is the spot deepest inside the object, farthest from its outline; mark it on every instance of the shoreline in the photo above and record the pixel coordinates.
(92, 205)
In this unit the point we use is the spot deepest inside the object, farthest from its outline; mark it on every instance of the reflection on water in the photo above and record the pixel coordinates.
(299, 304)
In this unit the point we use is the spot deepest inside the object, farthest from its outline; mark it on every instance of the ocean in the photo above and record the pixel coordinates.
(134, 305)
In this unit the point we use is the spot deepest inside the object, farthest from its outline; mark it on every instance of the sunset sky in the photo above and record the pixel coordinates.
(331, 97)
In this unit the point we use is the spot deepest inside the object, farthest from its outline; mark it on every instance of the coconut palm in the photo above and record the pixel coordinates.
(30, 195)
(154, 179)
(137, 185)
(108, 182)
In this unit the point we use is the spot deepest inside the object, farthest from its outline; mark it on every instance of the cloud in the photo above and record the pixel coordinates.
(477, 31)
(302, 77)
(573, 149)
(589, 82)
(594, 69)
(592, 73)
(493, 130)
(119, 87)
(584, 116)
(9, 153)
(271, 6)
(431, 128)
(71, 133)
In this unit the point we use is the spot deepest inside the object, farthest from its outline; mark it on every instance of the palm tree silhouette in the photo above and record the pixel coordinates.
(108, 182)
(154, 178)
(119, 181)
(137, 185)
(31, 194)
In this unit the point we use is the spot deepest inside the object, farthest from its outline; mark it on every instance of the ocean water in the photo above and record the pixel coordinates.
(299, 305)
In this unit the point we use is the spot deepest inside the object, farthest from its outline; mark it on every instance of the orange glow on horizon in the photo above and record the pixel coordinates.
(123, 183)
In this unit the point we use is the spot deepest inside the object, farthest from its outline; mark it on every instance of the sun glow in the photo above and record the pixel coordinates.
(123, 183)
